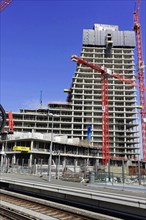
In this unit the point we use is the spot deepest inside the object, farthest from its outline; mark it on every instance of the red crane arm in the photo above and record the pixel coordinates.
(122, 78)
(86, 63)
(105, 70)
(128, 81)
(4, 4)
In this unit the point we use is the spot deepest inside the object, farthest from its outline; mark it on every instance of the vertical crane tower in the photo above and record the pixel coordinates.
(137, 29)
(3, 5)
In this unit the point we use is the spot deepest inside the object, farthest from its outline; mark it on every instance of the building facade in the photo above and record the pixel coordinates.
(29, 149)
(106, 46)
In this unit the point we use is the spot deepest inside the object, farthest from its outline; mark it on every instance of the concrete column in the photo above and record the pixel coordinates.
(30, 161)
(14, 159)
(96, 165)
(87, 164)
(64, 164)
(31, 145)
(35, 167)
(2, 162)
(3, 147)
(22, 162)
(8, 165)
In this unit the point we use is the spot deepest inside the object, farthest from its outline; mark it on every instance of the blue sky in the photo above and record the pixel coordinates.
(38, 38)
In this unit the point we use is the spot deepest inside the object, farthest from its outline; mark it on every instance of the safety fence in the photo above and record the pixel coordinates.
(117, 178)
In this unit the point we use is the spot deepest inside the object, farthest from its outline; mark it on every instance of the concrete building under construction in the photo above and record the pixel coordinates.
(106, 46)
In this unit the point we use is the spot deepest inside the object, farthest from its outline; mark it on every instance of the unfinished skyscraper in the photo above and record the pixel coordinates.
(106, 46)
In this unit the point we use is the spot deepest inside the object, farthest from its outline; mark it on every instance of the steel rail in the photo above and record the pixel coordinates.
(14, 214)
(58, 211)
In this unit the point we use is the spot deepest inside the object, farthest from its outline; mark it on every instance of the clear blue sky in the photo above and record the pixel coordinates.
(38, 38)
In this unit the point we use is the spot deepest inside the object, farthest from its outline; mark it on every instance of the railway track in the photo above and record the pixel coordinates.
(9, 214)
(16, 206)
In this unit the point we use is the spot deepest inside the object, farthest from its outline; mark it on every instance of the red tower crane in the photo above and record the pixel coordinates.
(105, 113)
(137, 29)
(4, 4)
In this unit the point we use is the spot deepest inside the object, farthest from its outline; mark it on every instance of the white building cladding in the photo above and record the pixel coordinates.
(106, 46)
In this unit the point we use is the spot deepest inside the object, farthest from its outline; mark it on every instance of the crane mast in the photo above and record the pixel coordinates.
(105, 120)
(3, 5)
(137, 29)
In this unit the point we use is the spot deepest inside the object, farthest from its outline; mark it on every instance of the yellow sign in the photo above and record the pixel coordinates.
(21, 148)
